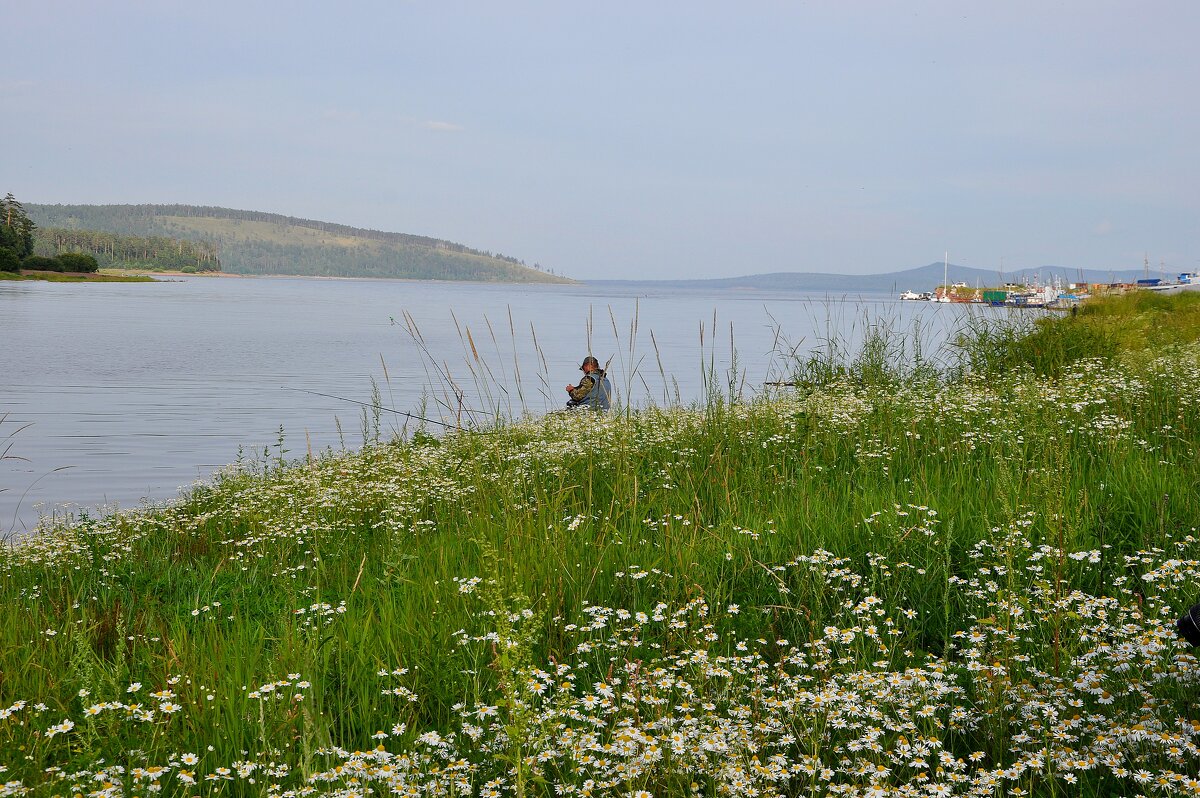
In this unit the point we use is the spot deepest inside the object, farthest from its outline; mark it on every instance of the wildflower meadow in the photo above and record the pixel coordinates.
(959, 580)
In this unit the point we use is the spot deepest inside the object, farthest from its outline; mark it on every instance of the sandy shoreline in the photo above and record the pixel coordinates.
(144, 273)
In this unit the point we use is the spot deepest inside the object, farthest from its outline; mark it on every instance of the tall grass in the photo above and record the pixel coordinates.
(957, 580)
(1103, 329)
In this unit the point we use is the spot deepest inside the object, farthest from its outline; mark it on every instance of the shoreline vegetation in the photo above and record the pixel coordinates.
(76, 277)
(24, 256)
(146, 253)
(898, 577)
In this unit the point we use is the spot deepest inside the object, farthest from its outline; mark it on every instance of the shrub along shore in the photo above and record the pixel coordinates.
(960, 580)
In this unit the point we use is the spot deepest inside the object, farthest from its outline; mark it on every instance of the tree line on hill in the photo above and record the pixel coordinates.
(18, 239)
(146, 219)
(112, 250)
(384, 260)
(284, 245)
(26, 246)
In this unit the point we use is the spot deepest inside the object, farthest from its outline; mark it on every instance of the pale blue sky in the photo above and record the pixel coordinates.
(633, 140)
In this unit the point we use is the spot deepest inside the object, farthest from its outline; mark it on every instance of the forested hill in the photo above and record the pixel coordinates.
(253, 242)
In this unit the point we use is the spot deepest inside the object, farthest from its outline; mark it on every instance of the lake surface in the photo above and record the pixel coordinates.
(115, 393)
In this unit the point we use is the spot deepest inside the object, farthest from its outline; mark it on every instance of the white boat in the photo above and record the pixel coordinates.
(912, 295)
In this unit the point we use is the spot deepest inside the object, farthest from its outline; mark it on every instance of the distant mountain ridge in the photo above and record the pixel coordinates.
(256, 242)
(921, 278)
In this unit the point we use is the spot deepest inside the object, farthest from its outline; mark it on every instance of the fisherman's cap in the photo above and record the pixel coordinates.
(589, 360)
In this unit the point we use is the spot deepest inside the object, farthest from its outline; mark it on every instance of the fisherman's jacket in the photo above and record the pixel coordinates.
(593, 391)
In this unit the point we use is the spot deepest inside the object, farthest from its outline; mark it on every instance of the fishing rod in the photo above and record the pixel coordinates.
(374, 407)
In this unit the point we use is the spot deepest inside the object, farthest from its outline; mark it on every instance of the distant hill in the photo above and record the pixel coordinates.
(922, 278)
(252, 242)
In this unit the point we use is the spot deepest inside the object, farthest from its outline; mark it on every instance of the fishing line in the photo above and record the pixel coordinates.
(374, 407)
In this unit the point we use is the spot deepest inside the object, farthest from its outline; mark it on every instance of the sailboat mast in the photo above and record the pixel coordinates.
(946, 277)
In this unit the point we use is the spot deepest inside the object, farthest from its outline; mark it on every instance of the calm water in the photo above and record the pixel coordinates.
(114, 393)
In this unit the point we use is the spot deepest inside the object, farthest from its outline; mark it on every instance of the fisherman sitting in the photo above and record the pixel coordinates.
(594, 390)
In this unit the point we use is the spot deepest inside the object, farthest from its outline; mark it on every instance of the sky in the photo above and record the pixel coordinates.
(635, 140)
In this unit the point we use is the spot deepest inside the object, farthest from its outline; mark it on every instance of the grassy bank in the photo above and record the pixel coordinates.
(954, 582)
(75, 277)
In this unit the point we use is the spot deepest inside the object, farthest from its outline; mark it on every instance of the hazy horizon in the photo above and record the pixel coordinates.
(664, 142)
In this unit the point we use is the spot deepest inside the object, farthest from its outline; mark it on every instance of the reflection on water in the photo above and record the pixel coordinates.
(115, 392)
